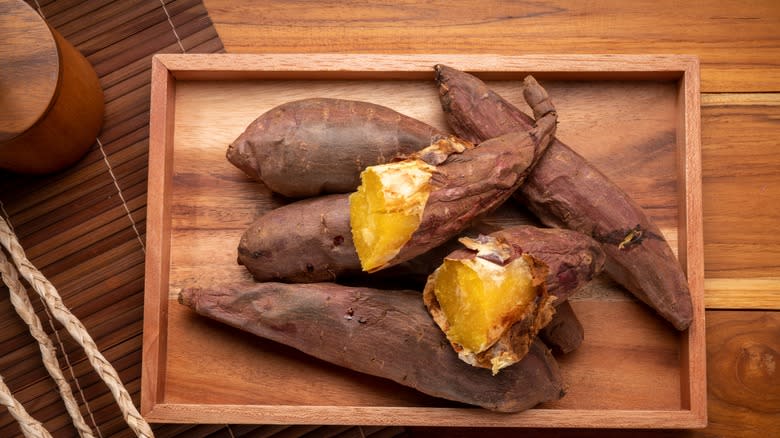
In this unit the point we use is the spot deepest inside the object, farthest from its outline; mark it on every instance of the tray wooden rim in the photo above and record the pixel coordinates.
(168, 68)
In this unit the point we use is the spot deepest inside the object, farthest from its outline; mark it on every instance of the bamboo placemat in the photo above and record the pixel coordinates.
(84, 228)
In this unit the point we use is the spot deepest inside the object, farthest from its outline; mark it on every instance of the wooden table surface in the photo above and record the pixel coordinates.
(739, 48)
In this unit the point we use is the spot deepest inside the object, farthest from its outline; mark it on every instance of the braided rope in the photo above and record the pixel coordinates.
(24, 308)
(76, 329)
(31, 427)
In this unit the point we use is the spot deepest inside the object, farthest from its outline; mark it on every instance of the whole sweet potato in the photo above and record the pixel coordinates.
(303, 242)
(564, 333)
(406, 208)
(564, 190)
(314, 146)
(387, 334)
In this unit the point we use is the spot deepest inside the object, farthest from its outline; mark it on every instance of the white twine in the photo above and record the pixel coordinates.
(31, 427)
(76, 329)
(173, 28)
(53, 305)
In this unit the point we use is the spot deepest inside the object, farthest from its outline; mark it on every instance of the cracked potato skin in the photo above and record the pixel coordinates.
(387, 334)
(316, 146)
(566, 191)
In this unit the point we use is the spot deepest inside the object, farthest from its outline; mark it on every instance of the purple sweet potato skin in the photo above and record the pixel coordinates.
(572, 258)
(470, 185)
(315, 146)
(388, 334)
(477, 181)
(310, 241)
(564, 190)
(303, 242)
(564, 333)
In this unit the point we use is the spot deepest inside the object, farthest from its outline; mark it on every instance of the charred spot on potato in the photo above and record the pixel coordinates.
(338, 240)
(626, 239)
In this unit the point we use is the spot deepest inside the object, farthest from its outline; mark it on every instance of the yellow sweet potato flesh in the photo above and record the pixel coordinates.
(481, 299)
(387, 209)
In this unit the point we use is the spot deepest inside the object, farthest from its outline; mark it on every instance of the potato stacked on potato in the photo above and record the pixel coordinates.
(490, 301)
(400, 198)
(566, 191)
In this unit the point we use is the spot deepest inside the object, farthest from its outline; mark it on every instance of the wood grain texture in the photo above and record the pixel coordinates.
(212, 202)
(73, 224)
(66, 123)
(741, 188)
(731, 38)
(743, 384)
(737, 43)
(743, 349)
(30, 69)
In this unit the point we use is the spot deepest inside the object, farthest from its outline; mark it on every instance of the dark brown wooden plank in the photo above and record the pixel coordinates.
(150, 41)
(83, 12)
(83, 209)
(56, 7)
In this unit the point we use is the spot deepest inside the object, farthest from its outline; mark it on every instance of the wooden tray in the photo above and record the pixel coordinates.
(635, 117)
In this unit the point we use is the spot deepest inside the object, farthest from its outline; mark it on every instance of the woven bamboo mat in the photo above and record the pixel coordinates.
(84, 228)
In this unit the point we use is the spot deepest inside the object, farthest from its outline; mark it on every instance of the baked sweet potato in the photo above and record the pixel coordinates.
(564, 190)
(564, 333)
(387, 334)
(313, 239)
(490, 301)
(315, 146)
(491, 298)
(405, 208)
(303, 242)
(310, 241)
(572, 258)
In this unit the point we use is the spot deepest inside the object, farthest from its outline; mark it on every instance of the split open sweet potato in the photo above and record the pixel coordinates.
(405, 208)
(564, 190)
(315, 146)
(490, 301)
(491, 298)
(572, 258)
(388, 334)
